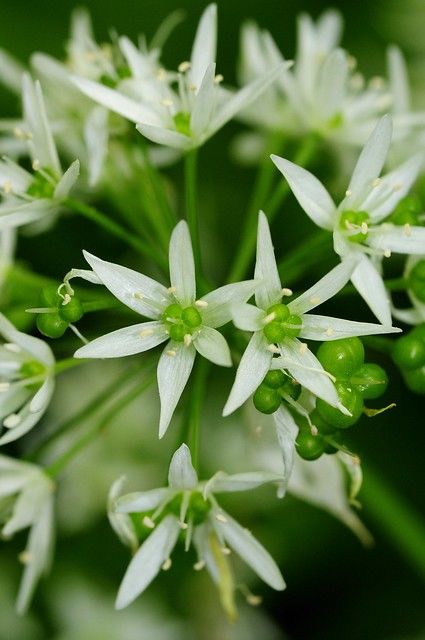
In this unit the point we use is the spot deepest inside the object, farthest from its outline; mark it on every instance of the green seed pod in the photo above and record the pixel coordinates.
(419, 331)
(280, 311)
(294, 330)
(309, 447)
(291, 387)
(352, 400)
(324, 427)
(341, 358)
(191, 317)
(417, 280)
(274, 332)
(371, 380)
(274, 379)
(409, 352)
(51, 325)
(407, 211)
(415, 380)
(177, 332)
(72, 311)
(172, 311)
(266, 400)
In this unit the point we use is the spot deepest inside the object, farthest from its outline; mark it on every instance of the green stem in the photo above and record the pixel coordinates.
(397, 519)
(305, 255)
(58, 465)
(67, 363)
(156, 182)
(100, 305)
(113, 228)
(190, 178)
(195, 408)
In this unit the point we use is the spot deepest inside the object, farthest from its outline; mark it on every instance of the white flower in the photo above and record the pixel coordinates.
(277, 327)
(321, 92)
(183, 117)
(190, 506)
(358, 223)
(30, 197)
(26, 500)
(26, 381)
(190, 325)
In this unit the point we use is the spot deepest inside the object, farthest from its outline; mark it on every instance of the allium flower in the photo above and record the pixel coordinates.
(26, 500)
(358, 223)
(187, 323)
(277, 327)
(26, 381)
(30, 197)
(190, 506)
(183, 117)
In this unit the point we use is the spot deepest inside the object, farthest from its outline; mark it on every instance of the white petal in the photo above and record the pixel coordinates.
(325, 328)
(137, 291)
(121, 523)
(251, 551)
(141, 501)
(213, 346)
(286, 431)
(204, 46)
(181, 474)
(370, 285)
(399, 81)
(174, 368)
(253, 366)
(147, 562)
(11, 71)
(182, 266)
(222, 483)
(67, 181)
(168, 137)
(324, 289)
(269, 290)
(410, 240)
(332, 84)
(16, 215)
(96, 136)
(409, 316)
(204, 103)
(36, 347)
(309, 191)
(125, 342)
(42, 398)
(372, 158)
(28, 420)
(247, 317)
(220, 302)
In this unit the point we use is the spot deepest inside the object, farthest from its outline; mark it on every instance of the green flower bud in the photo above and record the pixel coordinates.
(309, 447)
(266, 400)
(72, 311)
(352, 400)
(51, 325)
(409, 352)
(341, 358)
(371, 380)
(172, 311)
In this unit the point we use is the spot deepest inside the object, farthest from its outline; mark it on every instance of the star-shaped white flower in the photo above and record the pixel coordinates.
(30, 197)
(187, 323)
(358, 222)
(26, 381)
(189, 505)
(26, 500)
(186, 115)
(278, 326)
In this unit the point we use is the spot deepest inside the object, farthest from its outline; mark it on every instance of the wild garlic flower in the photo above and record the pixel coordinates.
(26, 381)
(361, 223)
(189, 506)
(321, 93)
(30, 197)
(26, 500)
(277, 327)
(186, 115)
(189, 325)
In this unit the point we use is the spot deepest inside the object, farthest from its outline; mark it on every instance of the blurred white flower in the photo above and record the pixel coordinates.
(190, 325)
(416, 313)
(358, 222)
(190, 506)
(26, 500)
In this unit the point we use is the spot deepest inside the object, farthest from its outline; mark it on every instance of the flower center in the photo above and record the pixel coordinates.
(354, 225)
(32, 369)
(280, 324)
(43, 184)
(180, 321)
(182, 122)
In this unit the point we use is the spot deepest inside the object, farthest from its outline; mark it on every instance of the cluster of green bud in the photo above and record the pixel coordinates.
(276, 386)
(416, 280)
(60, 312)
(356, 381)
(408, 211)
(354, 220)
(281, 324)
(181, 321)
(409, 356)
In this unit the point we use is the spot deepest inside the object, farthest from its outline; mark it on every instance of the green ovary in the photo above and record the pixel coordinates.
(283, 325)
(181, 321)
(182, 122)
(350, 221)
(41, 187)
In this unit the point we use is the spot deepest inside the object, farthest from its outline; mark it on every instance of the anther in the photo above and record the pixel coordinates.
(303, 348)
(377, 82)
(219, 78)
(314, 300)
(171, 289)
(329, 331)
(166, 565)
(387, 253)
(7, 186)
(220, 517)
(145, 333)
(138, 296)
(183, 525)
(273, 348)
(364, 228)
(287, 292)
(66, 299)
(198, 566)
(348, 193)
(36, 165)
(11, 346)
(254, 600)
(184, 66)
(226, 551)
(187, 340)
(12, 421)
(314, 430)
(148, 522)
(166, 102)
(407, 229)
(202, 304)
(25, 557)
(161, 74)
(171, 353)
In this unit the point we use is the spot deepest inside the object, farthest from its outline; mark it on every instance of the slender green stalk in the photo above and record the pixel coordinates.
(68, 363)
(100, 305)
(197, 395)
(190, 178)
(397, 519)
(305, 255)
(156, 182)
(60, 463)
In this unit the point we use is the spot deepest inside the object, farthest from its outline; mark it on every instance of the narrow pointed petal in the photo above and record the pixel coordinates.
(96, 136)
(324, 289)
(372, 158)
(204, 103)
(222, 483)
(269, 290)
(368, 282)
(325, 328)
(204, 46)
(121, 523)
(167, 137)
(141, 501)
(251, 551)
(286, 431)
(137, 291)
(67, 181)
(146, 563)
(181, 474)
(310, 193)
(408, 240)
(174, 368)
(332, 84)
(12, 72)
(125, 342)
(247, 317)
(253, 366)
(41, 399)
(213, 346)
(182, 265)
(220, 302)
(28, 420)
(399, 81)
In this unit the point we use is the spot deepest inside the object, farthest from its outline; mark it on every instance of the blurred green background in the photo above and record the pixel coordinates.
(336, 589)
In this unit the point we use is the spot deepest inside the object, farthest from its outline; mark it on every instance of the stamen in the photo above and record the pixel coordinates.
(138, 296)
(166, 102)
(303, 348)
(254, 600)
(66, 299)
(407, 229)
(226, 551)
(21, 134)
(171, 289)
(167, 564)
(364, 228)
(219, 78)
(11, 346)
(148, 522)
(348, 193)
(314, 300)
(183, 525)
(198, 566)
(287, 292)
(269, 318)
(187, 340)
(145, 333)
(161, 74)
(184, 66)
(273, 348)
(12, 421)
(202, 304)
(376, 182)
(36, 165)
(220, 517)
(8, 187)
(313, 430)
(377, 82)
(357, 81)
(25, 557)
(329, 331)
(387, 253)
(171, 353)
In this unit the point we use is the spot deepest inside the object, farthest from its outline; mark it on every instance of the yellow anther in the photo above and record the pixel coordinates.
(348, 193)
(303, 348)
(171, 353)
(161, 74)
(407, 229)
(36, 165)
(166, 102)
(148, 522)
(364, 228)
(25, 557)
(387, 253)
(12, 421)
(202, 304)
(184, 66)
(254, 600)
(166, 565)
(145, 333)
(187, 340)
(329, 331)
(7, 186)
(226, 551)
(286, 292)
(273, 348)
(269, 318)
(171, 289)
(198, 566)
(219, 78)
(220, 517)
(314, 300)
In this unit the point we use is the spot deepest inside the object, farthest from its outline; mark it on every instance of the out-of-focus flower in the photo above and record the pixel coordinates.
(26, 381)
(190, 506)
(362, 229)
(26, 500)
(414, 274)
